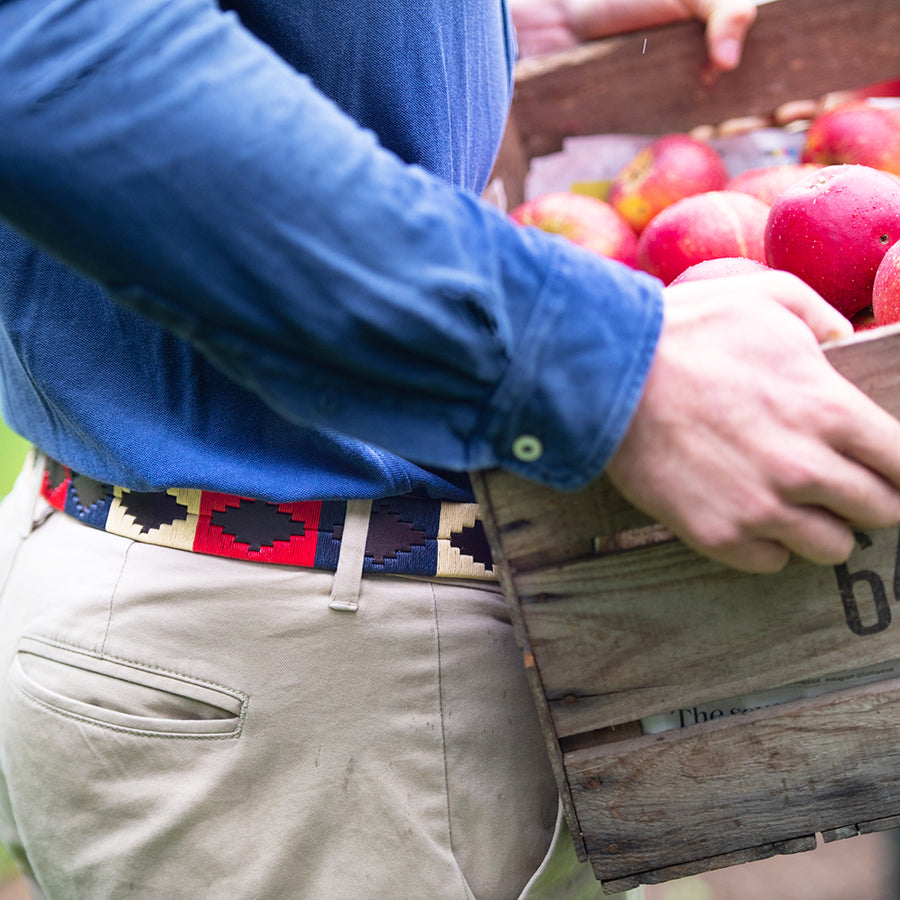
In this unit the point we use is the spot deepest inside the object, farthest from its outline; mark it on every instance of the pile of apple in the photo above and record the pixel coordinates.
(832, 219)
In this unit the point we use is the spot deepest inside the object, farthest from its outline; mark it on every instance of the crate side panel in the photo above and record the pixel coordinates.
(540, 527)
(653, 631)
(721, 787)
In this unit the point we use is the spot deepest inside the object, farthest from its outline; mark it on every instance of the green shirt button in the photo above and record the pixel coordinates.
(527, 448)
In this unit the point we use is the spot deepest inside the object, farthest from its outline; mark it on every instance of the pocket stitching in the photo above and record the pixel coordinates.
(137, 732)
(134, 664)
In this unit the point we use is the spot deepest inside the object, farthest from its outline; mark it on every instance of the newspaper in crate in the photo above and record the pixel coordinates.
(588, 162)
(798, 690)
(595, 159)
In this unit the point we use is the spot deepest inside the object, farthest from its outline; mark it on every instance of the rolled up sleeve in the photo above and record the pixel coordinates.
(163, 151)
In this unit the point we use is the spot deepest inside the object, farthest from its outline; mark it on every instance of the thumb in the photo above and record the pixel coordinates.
(727, 24)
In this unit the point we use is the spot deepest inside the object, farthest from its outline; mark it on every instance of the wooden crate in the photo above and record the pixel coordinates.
(648, 82)
(619, 621)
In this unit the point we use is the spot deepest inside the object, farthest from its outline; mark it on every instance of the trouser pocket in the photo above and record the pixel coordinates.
(113, 766)
(123, 695)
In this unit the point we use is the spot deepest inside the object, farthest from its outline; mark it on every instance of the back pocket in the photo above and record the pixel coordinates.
(124, 695)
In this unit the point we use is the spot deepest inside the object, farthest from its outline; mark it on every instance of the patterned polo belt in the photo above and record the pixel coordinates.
(407, 535)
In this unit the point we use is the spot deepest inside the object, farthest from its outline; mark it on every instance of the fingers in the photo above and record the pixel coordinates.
(818, 496)
(872, 441)
(862, 498)
(727, 24)
(811, 512)
(747, 443)
(821, 534)
(825, 322)
(810, 532)
(816, 535)
(762, 557)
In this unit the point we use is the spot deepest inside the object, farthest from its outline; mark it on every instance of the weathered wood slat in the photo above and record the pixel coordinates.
(649, 81)
(670, 799)
(588, 619)
(839, 834)
(797, 49)
(713, 634)
(697, 867)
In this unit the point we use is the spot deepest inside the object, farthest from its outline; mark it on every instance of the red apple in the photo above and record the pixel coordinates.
(767, 182)
(666, 170)
(889, 88)
(720, 268)
(584, 220)
(710, 225)
(833, 228)
(886, 288)
(857, 133)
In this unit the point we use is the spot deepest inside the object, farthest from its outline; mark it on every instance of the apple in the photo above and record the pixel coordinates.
(889, 88)
(857, 133)
(886, 288)
(710, 225)
(587, 221)
(723, 267)
(666, 170)
(833, 228)
(767, 182)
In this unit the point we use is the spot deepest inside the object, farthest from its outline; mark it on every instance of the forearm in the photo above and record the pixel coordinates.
(176, 161)
(549, 25)
(593, 20)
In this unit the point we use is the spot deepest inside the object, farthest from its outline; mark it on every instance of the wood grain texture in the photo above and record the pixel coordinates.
(656, 630)
(721, 861)
(671, 799)
(649, 81)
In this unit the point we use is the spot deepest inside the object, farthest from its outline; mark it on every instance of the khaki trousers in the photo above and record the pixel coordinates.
(181, 726)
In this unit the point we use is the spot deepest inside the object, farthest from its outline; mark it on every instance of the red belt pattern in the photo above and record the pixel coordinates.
(407, 535)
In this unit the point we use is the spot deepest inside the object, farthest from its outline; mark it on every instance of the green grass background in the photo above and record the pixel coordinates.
(12, 453)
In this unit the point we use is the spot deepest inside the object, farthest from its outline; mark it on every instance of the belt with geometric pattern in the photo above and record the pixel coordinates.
(407, 535)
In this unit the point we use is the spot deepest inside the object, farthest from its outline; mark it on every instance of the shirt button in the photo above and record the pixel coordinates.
(527, 448)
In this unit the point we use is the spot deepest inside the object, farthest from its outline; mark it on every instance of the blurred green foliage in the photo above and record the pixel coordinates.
(12, 453)
(8, 869)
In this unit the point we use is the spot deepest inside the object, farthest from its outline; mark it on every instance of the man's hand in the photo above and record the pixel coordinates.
(747, 443)
(543, 26)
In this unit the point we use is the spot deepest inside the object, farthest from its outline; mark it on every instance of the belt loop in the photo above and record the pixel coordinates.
(348, 575)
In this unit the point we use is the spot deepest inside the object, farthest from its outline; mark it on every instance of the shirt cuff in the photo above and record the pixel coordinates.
(579, 370)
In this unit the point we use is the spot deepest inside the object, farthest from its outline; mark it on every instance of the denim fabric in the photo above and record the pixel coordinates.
(288, 285)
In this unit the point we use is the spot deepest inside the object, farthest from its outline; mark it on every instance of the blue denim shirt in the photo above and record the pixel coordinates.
(246, 252)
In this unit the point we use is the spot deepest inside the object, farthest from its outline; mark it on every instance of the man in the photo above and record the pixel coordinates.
(293, 329)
